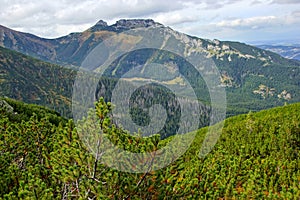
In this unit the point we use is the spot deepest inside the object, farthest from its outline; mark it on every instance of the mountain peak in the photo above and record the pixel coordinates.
(101, 23)
(135, 23)
(124, 24)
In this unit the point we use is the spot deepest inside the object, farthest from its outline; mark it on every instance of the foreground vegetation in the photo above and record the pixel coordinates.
(42, 157)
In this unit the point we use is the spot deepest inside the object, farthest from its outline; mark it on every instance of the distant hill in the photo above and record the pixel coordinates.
(287, 51)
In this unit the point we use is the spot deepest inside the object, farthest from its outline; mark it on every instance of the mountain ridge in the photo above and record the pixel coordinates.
(254, 79)
(76, 45)
(54, 50)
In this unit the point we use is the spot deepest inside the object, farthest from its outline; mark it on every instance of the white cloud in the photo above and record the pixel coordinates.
(219, 4)
(207, 18)
(174, 18)
(286, 1)
(209, 4)
(261, 22)
(253, 22)
(296, 14)
(34, 14)
(117, 8)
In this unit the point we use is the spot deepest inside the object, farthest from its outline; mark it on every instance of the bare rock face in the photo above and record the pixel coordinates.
(101, 23)
(135, 23)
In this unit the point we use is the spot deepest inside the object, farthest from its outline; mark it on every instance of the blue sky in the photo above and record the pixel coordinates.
(236, 20)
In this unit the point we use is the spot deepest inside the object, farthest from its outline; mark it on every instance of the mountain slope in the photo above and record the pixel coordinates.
(33, 81)
(66, 50)
(256, 157)
(27, 43)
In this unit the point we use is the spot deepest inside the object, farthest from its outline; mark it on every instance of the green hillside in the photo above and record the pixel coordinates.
(252, 86)
(256, 157)
(254, 79)
(33, 81)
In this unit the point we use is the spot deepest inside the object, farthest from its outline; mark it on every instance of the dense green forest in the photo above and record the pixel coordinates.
(34, 81)
(43, 157)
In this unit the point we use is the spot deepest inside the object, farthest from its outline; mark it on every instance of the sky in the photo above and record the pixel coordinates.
(250, 21)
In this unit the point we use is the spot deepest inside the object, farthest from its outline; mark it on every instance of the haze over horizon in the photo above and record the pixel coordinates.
(252, 21)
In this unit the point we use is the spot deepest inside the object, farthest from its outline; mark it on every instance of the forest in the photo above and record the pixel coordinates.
(43, 156)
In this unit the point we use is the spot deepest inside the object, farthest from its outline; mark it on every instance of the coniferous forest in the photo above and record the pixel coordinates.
(42, 157)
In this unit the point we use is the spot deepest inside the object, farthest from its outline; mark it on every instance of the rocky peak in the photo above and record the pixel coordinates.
(124, 24)
(135, 23)
(101, 23)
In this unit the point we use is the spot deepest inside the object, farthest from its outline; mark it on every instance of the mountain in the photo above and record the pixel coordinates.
(26, 43)
(67, 50)
(34, 81)
(287, 51)
(37, 82)
(256, 157)
(254, 78)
